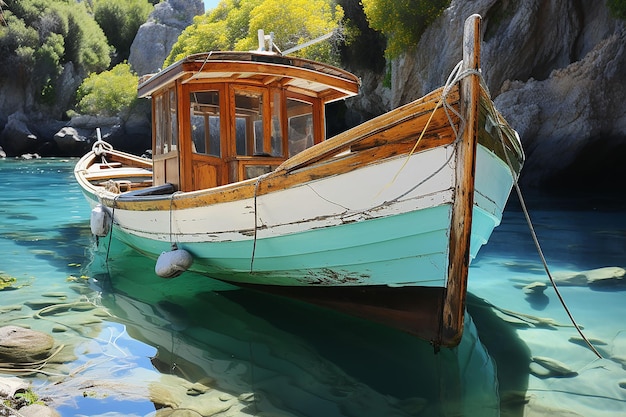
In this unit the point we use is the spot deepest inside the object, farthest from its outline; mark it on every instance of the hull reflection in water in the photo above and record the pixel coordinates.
(282, 357)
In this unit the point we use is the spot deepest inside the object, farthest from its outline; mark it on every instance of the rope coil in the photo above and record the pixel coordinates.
(100, 147)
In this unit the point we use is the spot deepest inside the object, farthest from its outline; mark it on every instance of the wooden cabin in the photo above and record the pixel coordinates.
(223, 117)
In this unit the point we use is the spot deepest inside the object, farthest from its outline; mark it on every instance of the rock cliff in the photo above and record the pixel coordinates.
(557, 71)
(155, 38)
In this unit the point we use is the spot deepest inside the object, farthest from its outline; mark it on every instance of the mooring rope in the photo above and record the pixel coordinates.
(256, 222)
(536, 240)
(172, 243)
(455, 76)
(106, 259)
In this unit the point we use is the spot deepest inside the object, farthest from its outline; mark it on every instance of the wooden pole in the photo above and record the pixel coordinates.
(453, 311)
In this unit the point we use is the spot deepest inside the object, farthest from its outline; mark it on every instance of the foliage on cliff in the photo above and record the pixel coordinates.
(233, 25)
(617, 8)
(109, 92)
(402, 21)
(120, 20)
(39, 37)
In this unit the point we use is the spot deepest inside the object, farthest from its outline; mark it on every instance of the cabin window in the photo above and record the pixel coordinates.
(173, 122)
(300, 115)
(205, 122)
(166, 127)
(277, 131)
(248, 121)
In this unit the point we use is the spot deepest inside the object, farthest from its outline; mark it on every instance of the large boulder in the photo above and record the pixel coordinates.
(155, 38)
(16, 138)
(21, 345)
(131, 134)
(70, 142)
(557, 71)
(575, 113)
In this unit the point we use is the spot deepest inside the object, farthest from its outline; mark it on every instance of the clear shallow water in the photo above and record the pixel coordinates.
(252, 354)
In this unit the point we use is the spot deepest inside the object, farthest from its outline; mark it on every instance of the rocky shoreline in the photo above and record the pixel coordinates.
(74, 138)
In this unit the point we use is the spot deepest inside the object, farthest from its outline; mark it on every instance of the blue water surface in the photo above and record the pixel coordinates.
(131, 344)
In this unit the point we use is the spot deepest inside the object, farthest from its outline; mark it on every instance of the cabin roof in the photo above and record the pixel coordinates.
(296, 74)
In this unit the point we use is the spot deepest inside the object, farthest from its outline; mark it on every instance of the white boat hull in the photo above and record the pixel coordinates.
(361, 228)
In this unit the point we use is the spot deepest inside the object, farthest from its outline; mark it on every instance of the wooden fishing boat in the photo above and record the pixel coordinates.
(380, 221)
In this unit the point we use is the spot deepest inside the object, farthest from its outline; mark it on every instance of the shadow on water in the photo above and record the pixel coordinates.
(302, 360)
(509, 352)
(61, 246)
(40, 210)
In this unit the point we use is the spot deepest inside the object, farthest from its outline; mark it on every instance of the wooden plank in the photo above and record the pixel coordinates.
(461, 224)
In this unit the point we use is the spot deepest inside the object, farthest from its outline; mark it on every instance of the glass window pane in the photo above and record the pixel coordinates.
(277, 132)
(159, 123)
(205, 122)
(249, 122)
(173, 119)
(300, 114)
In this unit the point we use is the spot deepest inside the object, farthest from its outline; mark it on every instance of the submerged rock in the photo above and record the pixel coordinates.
(580, 341)
(598, 276)
(552, 367)
(43, 303)
(12, 307)
(536, 408)
(170, 412)
(7, 281)
(619, 359)
(535, 288)
(38, 410)
(178, 397)
(20, 345)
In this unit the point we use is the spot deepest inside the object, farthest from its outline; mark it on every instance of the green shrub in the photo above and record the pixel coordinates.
(40, 36)
(120, 21)
(108, 93)
(233, 25)
(617, 8)
(402, 21)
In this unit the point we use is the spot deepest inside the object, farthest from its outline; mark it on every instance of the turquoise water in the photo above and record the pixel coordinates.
(128, 340)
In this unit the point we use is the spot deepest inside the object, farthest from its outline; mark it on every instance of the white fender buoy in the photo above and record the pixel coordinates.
(172, 263)
(100, 221)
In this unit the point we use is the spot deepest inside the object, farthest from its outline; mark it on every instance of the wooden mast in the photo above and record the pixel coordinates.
(461, 222)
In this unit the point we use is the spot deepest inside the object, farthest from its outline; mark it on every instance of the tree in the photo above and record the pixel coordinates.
(42, 35)
(294, 23)
(120, 21)
(86, 44)
(109, 92)
(402, 21)
(233, 25)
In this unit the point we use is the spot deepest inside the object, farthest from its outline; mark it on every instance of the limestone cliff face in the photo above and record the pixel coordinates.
(557, 71)
(155, 38)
